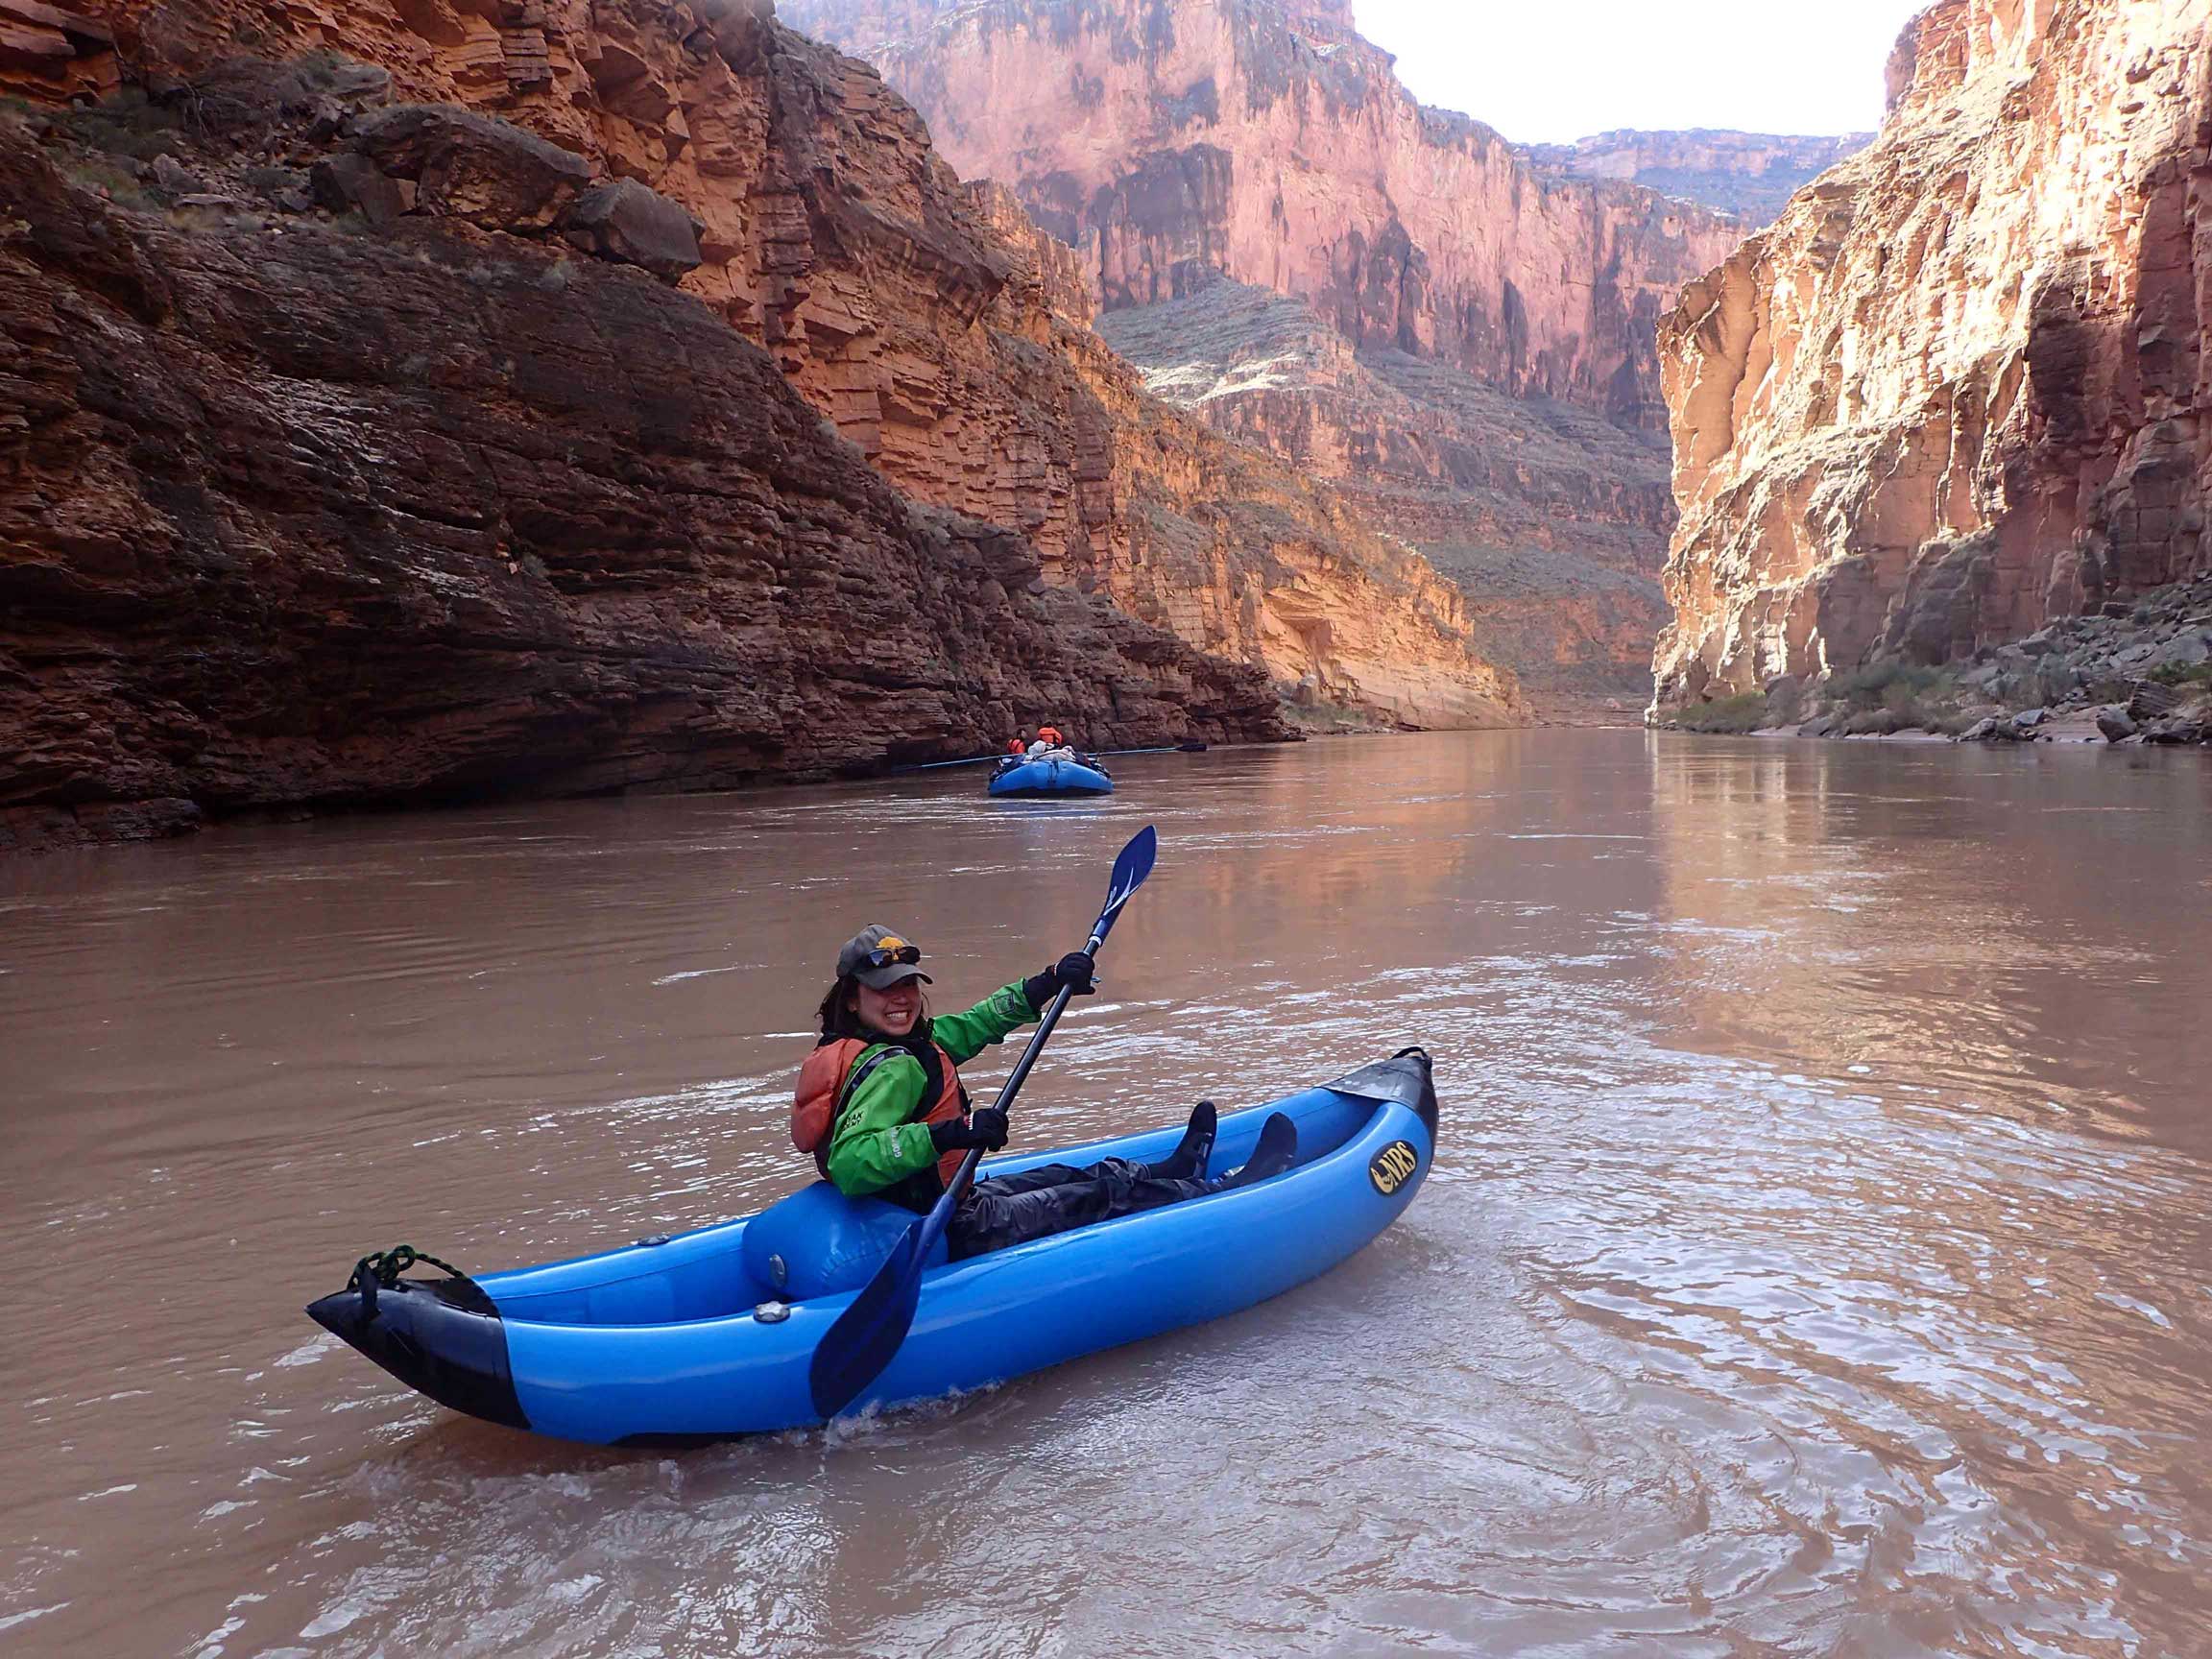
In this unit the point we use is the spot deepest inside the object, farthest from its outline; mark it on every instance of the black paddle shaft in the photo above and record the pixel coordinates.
(1014, 1078)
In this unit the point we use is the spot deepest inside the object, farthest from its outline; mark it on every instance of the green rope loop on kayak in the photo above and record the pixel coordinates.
(385, 1267)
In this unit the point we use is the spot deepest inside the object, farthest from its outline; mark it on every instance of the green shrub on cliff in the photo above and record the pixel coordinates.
(2173, 674)
(1894, 686)
(1745, 712)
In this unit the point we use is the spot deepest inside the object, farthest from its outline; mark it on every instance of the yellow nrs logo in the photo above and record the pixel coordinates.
(1391, 1167)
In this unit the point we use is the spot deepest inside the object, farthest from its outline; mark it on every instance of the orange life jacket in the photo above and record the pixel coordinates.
(823, 1082)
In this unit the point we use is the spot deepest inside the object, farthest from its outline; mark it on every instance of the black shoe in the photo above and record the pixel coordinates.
(1277, 1151)
(1188, 1161)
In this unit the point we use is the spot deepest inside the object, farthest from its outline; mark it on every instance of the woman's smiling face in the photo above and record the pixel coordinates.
(893, 1012)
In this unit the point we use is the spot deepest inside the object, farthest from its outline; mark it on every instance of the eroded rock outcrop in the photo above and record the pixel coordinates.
(51, 52)
(1960, 387)
(830, 232)
(1276, 145)
(1751, 175)
(294, 511)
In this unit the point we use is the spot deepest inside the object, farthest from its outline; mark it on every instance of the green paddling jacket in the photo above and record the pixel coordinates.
(878, 1146)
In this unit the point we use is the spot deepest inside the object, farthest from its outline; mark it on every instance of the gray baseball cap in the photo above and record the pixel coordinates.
(879, 959)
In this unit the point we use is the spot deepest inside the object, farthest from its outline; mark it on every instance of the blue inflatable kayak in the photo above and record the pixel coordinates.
(1050, 777)
(708, 1335)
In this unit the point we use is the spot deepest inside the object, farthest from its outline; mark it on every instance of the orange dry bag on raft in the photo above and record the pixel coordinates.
(825, 1082)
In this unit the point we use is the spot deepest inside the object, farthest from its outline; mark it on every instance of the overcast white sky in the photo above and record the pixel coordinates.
(1547, 71)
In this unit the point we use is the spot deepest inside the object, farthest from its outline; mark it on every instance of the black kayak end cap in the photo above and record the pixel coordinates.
(1404, 1077)
(457, 1356)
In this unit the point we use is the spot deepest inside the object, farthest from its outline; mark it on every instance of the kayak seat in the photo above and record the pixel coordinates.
(819, 1243)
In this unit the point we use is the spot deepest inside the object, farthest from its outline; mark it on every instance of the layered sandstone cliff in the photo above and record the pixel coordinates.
(434, 498)
(1960, 387)
(47, 52)
(892, 298)
(1751, 175)
(1221, 542)
(1386, 297)
(897, 303)
(1274, 145)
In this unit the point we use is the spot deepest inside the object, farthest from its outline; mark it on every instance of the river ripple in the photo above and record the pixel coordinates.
(1817, 1261)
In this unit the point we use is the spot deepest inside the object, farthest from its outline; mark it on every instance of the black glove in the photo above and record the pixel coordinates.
(1075, 971)
(984, 1127)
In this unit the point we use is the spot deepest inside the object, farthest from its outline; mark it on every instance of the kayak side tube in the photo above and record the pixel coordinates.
(665, 1344)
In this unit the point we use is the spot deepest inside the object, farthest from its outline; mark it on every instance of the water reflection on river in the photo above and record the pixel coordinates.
(1816, 1261)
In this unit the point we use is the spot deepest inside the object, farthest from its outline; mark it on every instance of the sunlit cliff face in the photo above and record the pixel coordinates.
(1954, 392)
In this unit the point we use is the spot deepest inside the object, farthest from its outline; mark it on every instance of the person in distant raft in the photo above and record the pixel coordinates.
(1048, 746)
(881, 1107)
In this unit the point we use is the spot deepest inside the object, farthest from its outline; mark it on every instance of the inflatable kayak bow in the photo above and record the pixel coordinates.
(708, 1335)
(1050, 777)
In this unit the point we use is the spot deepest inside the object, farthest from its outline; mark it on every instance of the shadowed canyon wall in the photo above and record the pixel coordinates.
(893, 297)
(1960, 388)
(296, 512)
(796, 200)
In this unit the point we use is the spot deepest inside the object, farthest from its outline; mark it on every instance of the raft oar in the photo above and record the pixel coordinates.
(1191, 748)
(854, 1352)
(939, 765)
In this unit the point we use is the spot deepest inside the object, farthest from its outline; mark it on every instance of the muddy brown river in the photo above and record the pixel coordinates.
(1818, 1259)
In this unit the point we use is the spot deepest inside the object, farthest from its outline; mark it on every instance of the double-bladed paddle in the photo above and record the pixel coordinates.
(854, 1352)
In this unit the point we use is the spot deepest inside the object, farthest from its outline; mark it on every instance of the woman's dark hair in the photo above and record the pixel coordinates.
(838, 1017)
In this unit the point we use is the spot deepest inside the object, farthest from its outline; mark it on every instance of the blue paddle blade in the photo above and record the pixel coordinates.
(1129, 872)
(854, 1352)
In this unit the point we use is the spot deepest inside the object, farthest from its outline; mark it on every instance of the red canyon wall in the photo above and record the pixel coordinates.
(1464, 349)
(1273, 144)
(1962, 387)
(352, 452)
(814, 220)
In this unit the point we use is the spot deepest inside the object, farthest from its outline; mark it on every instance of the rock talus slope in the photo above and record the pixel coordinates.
(1552, 519)
(1960, 388)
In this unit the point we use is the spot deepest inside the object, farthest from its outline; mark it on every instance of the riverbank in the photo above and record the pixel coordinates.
(2136, 673)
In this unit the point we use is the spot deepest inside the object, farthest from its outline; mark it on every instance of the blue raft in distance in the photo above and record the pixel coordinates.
(708, 1335)
(1034, 777)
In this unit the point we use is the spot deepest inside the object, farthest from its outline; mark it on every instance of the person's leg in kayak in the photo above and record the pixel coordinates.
(1057, 1197)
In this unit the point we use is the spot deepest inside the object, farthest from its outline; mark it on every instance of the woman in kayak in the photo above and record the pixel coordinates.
(881, 1107)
